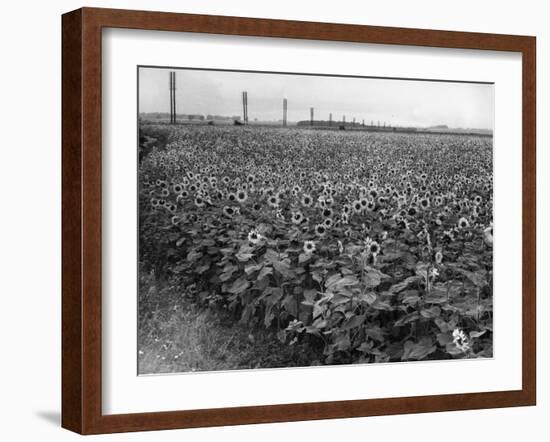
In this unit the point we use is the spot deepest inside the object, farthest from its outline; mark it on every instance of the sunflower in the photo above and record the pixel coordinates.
(463, 223)
(320, 230)
(242, 196)
(199, 201)
(328, 222)
(254, 237)
(374, 248)
(273, 201)
(228, 211)
(460, 340)
(425, 203)
(357, 206)
(307, 200)
(297, 217)
(309, 247)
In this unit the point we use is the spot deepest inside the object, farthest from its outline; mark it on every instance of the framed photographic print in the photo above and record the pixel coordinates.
(268, 220)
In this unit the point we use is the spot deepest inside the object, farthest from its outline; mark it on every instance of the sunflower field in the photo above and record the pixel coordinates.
(368, 246)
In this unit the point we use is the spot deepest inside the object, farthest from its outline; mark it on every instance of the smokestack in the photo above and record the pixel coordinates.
(311, 116)
(285, 105)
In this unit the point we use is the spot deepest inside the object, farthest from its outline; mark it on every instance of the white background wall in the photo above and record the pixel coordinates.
(30, 197)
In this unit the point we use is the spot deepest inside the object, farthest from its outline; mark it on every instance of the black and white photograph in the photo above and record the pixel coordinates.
(297, 220)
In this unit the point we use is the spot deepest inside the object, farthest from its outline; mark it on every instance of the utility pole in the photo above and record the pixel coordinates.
(172, 97)
(285, 107)
(311, 114)
(330, 119)
(245, 107)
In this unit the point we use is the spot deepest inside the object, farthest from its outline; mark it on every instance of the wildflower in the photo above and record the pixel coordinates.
(309, 247)
(460, 340)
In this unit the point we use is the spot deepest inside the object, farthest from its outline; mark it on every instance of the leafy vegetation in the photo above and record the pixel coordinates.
(372, 247)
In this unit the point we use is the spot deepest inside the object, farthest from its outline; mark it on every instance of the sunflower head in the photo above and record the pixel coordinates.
(463, 223)
(320, 230)
(309, 247)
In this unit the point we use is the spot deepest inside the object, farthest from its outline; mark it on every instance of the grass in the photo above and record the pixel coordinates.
(176, 335)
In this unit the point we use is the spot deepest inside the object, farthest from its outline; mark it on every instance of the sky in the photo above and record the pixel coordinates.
(395, 102)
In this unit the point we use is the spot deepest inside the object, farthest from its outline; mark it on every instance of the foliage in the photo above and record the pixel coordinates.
(378, 247)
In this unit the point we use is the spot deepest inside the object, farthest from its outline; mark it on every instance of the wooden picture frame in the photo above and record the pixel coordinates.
(81, 215)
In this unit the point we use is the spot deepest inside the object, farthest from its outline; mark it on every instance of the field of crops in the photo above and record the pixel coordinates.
(368, 247)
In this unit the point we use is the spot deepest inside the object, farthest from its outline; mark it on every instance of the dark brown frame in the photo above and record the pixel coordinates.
(81, 201)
